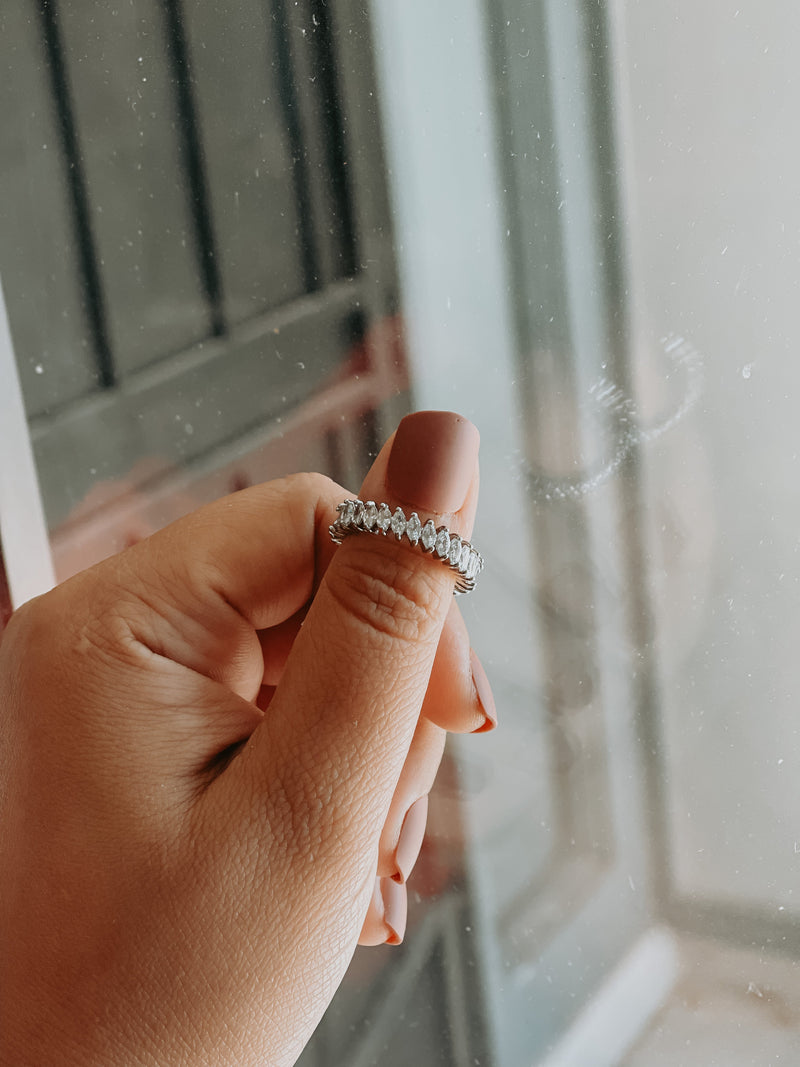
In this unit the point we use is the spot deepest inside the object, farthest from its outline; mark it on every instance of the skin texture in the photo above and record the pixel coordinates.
(210, 743)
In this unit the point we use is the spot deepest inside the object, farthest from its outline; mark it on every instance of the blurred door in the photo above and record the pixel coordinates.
(196, 248)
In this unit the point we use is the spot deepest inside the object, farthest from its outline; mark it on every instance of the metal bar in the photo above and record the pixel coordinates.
(291, 117)
(79, 199)
(334, 127)
(200, 206)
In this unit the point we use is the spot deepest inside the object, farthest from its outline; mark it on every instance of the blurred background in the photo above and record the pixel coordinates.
(243, 238)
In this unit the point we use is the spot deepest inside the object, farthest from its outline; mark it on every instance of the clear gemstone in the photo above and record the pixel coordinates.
(358, 515)
(428, 535)
(370, 515)
(473, 568)
(398, 523)
(413, 528)
(347, 511)
(466, 548)
(442, 543)
(455, 550)
(384, 518)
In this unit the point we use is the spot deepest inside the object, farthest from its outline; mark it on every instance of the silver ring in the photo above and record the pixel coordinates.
(359, 516)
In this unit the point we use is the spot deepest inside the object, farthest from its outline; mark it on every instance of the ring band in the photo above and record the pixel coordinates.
(359, 516)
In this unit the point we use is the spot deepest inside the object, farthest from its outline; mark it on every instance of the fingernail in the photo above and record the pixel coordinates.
(410, 840)
(395, 906)
(432, 461)
(483, 691)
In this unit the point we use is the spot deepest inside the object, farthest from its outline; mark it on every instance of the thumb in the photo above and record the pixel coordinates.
(333, 743)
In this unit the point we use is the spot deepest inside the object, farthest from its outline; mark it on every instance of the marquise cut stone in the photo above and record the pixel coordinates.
(413, 528)
(384, 518)
(367, 516)
(370, 515)
(443, 543)
(398, 523)
(347, 512)
(466, 548)
(428, 535)
(454, 553)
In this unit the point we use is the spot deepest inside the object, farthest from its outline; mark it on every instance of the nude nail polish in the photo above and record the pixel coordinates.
(432, 460)
(395, 907)
(410, 840)
(483, 691)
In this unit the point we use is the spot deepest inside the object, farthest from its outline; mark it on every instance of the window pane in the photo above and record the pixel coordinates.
(239, 240)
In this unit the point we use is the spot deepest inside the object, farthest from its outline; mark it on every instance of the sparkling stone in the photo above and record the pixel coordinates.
(428, 535)
(474, 566)
(358, 515)
(347, 511)
(413, 528)
(466, 548)
(455, 550)
(443, 543)
(384, 518)
(398, 523)
(370, 515)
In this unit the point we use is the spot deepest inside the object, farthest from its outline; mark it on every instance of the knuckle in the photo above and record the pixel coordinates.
(306, 501)
(35, 625)
(22, 620)
(312, 485)
(390, 590)
(298, 491)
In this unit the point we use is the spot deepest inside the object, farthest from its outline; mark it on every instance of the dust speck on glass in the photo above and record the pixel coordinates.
(243, 238)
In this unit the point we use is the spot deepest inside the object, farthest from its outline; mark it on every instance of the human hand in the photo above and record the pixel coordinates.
(198, 791)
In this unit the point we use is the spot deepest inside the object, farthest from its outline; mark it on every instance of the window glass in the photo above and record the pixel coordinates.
(241, 239)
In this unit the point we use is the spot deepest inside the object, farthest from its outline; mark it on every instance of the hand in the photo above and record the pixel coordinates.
(211, 743)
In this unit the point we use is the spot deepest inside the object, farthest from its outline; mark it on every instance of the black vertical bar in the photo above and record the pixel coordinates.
(76, 184)
(291, 118)
(334, 127)
(334, 456)
(178, 53)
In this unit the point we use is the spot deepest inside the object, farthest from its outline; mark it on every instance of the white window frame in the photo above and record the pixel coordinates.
(23, 531)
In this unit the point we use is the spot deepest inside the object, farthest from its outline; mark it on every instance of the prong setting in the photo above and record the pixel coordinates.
(358, 516)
